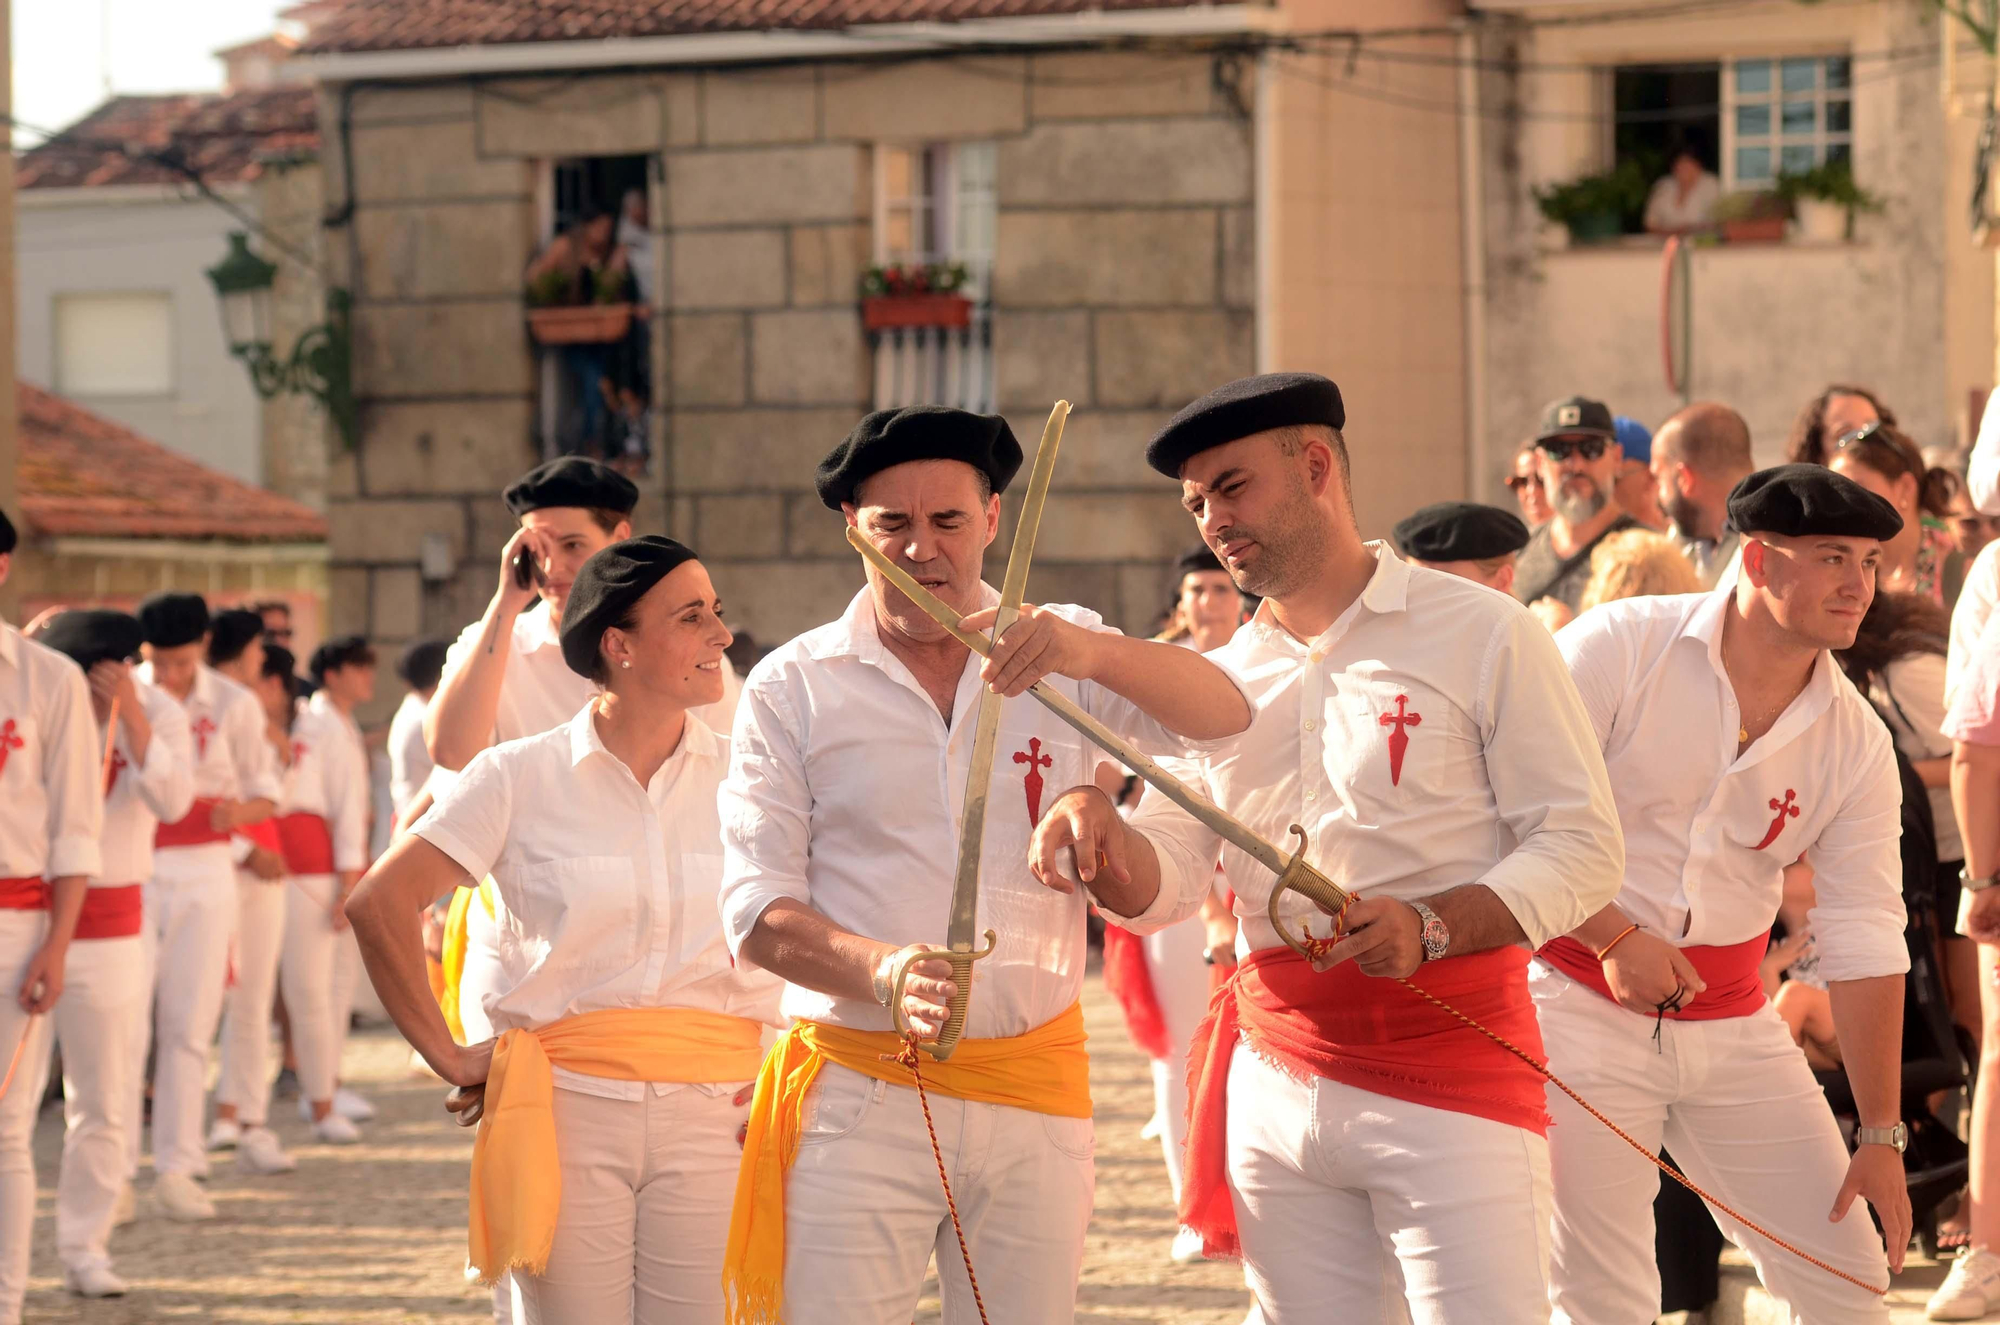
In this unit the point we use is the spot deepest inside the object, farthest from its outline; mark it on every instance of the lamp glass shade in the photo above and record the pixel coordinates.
(242, 282)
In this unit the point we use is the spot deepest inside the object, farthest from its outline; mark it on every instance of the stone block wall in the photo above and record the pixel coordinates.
(1124, 282)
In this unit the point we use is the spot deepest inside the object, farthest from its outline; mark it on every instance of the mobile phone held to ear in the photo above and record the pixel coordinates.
(524, 568)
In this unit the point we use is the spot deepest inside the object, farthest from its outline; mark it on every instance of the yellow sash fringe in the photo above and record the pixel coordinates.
(1046, 1070)
(516, 1179)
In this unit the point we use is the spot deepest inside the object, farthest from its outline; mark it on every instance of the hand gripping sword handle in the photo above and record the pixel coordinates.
(961, 976)
(1301, 878)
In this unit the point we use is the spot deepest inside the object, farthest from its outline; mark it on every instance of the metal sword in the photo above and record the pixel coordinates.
(1293, 871)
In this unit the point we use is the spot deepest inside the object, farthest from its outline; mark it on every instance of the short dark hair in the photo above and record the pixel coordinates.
(605, 518)
(278, 661)
(338, 652)
(422, 664)
(230, 632)
(1808, 443)
(8, 538)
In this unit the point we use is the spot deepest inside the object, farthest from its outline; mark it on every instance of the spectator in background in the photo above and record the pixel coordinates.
(277, 618)
(1684, 198)
(1465, 539)
(1889, 465)
(1636, 563)
(1699, 455)
(410, 763)
(1206, 609)
(236, 645)
(1838, 409)
(1578, 459)
(1526, 485)
(636, 238)
(1970, 533)
(1636, 493)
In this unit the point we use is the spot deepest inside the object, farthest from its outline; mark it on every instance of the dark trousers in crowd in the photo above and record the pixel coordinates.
(1688, 1246)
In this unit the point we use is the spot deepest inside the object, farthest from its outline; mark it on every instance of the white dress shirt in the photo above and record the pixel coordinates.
(1702, 863)
(54, 815)
(844, 793)
(1970, 614)
(144, 794)
(232, 760)
(1499, 783)
(1982, 467)
(607, 889)
(326, 777)
(410, 761)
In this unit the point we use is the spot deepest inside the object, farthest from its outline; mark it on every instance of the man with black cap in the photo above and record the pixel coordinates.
(1463, 538)
(191, 899)
(840, 828)
(1736, 745)
(1423, 732)
(1579, 460)
(100, 1024)
(49, 850)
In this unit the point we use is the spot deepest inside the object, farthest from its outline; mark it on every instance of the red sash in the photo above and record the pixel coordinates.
(193, 830)
(24, 894)
(1126, 976)
(305, 843)
(263, 833)
(110, 913)
(1365, 1032)
(1735, 987)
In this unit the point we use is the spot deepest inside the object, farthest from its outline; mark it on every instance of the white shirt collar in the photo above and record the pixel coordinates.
(536, 629)
(1387, 590)
(1704, 626)
(696, 739)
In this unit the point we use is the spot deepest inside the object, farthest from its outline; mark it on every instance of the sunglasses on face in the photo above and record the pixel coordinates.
(1853, 435)
(1516, 482)
(1560, 449)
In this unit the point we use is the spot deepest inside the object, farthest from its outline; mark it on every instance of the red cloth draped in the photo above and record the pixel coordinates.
(1126, 976)
(193, 829)
(25, 894)
(305, 843)
(1735, 984)
(113, 912)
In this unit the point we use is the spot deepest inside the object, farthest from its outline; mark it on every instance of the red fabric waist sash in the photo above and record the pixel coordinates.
(1735, 986)
(1126, 976)
(193, 830)
(30, 894)
(263, 833)
(1373, 1034)
(306, 843)
(110, 913)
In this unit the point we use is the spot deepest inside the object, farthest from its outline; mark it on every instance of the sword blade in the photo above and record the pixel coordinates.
(1229, 828)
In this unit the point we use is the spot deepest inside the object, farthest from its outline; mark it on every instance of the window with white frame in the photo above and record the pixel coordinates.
(114, 344)
(1786, 116)
(936, 205)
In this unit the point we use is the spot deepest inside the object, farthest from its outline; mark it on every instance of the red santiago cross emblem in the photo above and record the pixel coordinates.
(1399, 739)
(1787, 809)
(9, 740)
(298, 751)
(118, 765)
(204, 728)
(1032, 782)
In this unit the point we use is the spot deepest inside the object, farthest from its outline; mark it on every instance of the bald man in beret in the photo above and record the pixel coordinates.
(840, 826)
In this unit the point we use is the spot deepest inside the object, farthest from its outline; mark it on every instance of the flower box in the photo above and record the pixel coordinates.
(891, 312)
(1754, 230)
(581, 324)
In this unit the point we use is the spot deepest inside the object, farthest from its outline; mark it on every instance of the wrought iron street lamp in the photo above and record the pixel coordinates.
(318, 364)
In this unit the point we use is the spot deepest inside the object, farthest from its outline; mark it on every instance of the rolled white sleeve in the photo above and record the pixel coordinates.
(1858, 919)
(1546, 767)
(346, 803)
(70, 772)
(1152, 737)
(469, 819)
(1185, 847)
(766, 807)
(1982, 468)
(166, 775)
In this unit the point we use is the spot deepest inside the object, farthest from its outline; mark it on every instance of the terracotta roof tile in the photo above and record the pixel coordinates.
(388, 25)
(82, 475)
(226, 137)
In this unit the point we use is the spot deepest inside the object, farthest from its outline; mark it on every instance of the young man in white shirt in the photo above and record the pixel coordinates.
(191, 899)
(1735, 746)
(1369, 1151)
(410, 763)
(101, 1019)
(49, 849)
(840, 832)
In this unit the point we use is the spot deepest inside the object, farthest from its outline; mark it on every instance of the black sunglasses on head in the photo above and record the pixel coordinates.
(1561, 448)
(1853, 435)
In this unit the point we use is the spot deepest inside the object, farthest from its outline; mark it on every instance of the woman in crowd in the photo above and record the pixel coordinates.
(1838, 409)
(1526, 485)
(606, 1162)
(1637, 563)
(1889, 465)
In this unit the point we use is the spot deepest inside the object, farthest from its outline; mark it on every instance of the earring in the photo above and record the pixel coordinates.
(627, 664)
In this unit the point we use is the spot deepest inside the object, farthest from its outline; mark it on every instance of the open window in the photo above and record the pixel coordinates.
(926, 301)
(591, 291)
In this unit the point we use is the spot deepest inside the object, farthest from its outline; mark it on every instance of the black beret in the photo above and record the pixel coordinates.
(8, 538)
(572, 481)
(609, 584)
(1576, 416)
(1198, 559)
(173, 619)
(92, 635)
(1460, 531)
(1797, 501)
(921, 432)
(230, 632)
(1242, 409)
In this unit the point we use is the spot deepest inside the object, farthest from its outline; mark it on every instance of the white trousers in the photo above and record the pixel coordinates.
(864, 1212)
(190, 923)
(1357, 1208)
(1735, 1102)
(319, 986)
(99, 1019)
(1180, 983)
(647, 1186)
(21, 935)
(245, 1077)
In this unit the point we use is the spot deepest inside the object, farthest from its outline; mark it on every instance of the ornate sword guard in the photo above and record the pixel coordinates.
(961, 975)
(1303, 879)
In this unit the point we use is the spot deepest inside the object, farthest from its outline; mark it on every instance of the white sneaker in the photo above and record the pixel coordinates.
(259, 1152)
(94, 1281)
(224, 1133)
(1187, 1247)
(334, 1130)
(126, 1209)
(1970, 1290)
(351, 1106)
(180, 1197)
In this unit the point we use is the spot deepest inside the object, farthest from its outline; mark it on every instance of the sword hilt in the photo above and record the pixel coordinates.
(1301, 878)
(961, 976)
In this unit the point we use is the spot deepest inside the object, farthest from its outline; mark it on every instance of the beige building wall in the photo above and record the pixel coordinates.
(297, 436)
(116, 572)
(1970, 306)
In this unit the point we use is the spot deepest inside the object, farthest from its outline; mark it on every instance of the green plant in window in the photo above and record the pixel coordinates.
(1751, 205)
(548, 290)
(1599, 205)
(1829, 181)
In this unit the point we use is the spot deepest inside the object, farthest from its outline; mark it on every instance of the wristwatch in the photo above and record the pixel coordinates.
(1437, 939)
(881, 983)
(1972, 885)
(1897, 1138)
